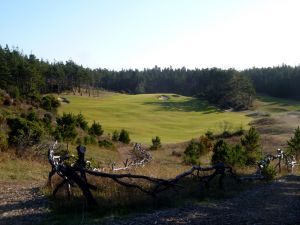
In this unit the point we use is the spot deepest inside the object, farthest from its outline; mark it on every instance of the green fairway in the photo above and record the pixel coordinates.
(145, 116)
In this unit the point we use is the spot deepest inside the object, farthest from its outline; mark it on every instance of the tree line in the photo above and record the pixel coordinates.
(26, 75)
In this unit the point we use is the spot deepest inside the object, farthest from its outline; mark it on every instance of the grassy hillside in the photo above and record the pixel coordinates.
(175, 120)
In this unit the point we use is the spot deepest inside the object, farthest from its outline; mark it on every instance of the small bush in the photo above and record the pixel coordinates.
(294, 143)
(124, 136)
(115, 135)
(209, 134)
(24, 132)
(49, 103)
(96, 129)
(193, 152)
(106, 144)
(269, 172)
(156, 143)
(250, 142)
(90, 139)
(81, 122)
(224, 153)
(66, 127)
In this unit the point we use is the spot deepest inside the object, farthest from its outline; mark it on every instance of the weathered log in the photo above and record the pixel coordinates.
(71, 177)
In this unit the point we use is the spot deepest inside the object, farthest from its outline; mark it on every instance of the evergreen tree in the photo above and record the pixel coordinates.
(251, 143)
(124, 136)
(294, 143)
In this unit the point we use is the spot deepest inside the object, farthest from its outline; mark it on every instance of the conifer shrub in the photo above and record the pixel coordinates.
(49, 103)
(106, 144)
(115, 135)
(156, 143)
(294, 143)
(66, 127)
(269, 172)
(124, 136)
(193, 152)
(251, 143)
(209, 134)
(230, 155)
(96, 129)
(24, 132)
(81, 122)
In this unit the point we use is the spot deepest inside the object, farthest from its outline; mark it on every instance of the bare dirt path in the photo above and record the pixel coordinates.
(22, 204)
(274, 203)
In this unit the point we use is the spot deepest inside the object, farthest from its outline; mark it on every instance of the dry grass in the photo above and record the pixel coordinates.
(20, 169)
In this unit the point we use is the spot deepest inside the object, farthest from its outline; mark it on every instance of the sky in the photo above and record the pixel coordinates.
(123, 34)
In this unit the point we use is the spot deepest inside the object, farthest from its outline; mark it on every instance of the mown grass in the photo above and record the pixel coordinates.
(145, 116)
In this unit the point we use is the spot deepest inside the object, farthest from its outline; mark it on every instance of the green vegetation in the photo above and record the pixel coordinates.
(251, 143)
(156, 143)
(269, 172)
(23, 132)
(115, 135)
(124, 136)
(95, 129)
(106, 144)
(145, 116)
(246, 153)
(230, 155)
(294, 143)
(193, 152)
(49, 103)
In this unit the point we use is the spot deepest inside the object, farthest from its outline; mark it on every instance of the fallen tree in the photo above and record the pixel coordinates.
(77, 175)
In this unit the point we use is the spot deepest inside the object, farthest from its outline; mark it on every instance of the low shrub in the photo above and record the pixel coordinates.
(156, 143)
(230, 155)
(66, 127)
(81, 122)
(106, 144)
(124, 136)
(49, 103)
(269, 172)
(193, 152)
(251, 143)
(115, 135)
(24, 132)
(96, 129)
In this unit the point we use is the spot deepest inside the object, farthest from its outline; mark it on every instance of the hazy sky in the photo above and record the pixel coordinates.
(118, 34)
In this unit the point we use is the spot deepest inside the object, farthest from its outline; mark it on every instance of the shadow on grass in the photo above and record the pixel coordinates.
(193, 105)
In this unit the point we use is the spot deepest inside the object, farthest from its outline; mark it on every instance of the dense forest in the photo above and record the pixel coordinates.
(27, 76)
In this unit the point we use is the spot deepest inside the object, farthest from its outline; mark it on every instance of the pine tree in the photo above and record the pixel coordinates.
(251, 144)
(294, 143)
